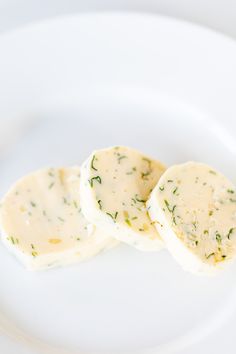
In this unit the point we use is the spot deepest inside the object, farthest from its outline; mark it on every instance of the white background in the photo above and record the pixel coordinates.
(217, 14)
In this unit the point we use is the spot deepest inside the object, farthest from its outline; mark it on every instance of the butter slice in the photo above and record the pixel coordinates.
(42, 223)
(115, 184)
(194, 209)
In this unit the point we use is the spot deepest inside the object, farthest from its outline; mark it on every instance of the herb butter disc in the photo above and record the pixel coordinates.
(115, 184)
(194, 209)
(42, 224)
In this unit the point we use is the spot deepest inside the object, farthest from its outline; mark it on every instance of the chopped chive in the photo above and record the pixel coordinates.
(51, 185)
(212, 172)
(206, 232)
(100, 204)
(162, 188)
(170, 180)
(34, 254)
(61, 219)
(33, 204)
(210, 213)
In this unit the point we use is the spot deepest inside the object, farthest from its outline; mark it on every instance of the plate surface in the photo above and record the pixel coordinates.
(78, 83)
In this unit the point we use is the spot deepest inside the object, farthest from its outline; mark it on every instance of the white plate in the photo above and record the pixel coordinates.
(77, 83)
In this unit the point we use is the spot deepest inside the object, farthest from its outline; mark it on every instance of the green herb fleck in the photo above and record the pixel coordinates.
(145, 174)
(51, 185)
(121, 158)
(113, 216)
(206, 232)
(32, 246)
(230, 191)
(230, 232)
(92, 163)
(128, 222)
(171, 210)
(148, 161)
(33, 204)
(34, 254)
(97, 178)
(209, 255)
(170, 180)
(162, 188)
(61, 219)
(232, 200)
(139, 200)
(212, 172)
(210, 212)
(13, 240)
(218, 237)
(65, 201)
(75, 204)
(175, 190)
(194, 223)
(100, 204)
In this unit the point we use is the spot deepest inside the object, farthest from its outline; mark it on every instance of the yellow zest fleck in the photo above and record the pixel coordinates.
(126, 214)
(54, 241)
(61, 175)
(145, 227)
(22, 209)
